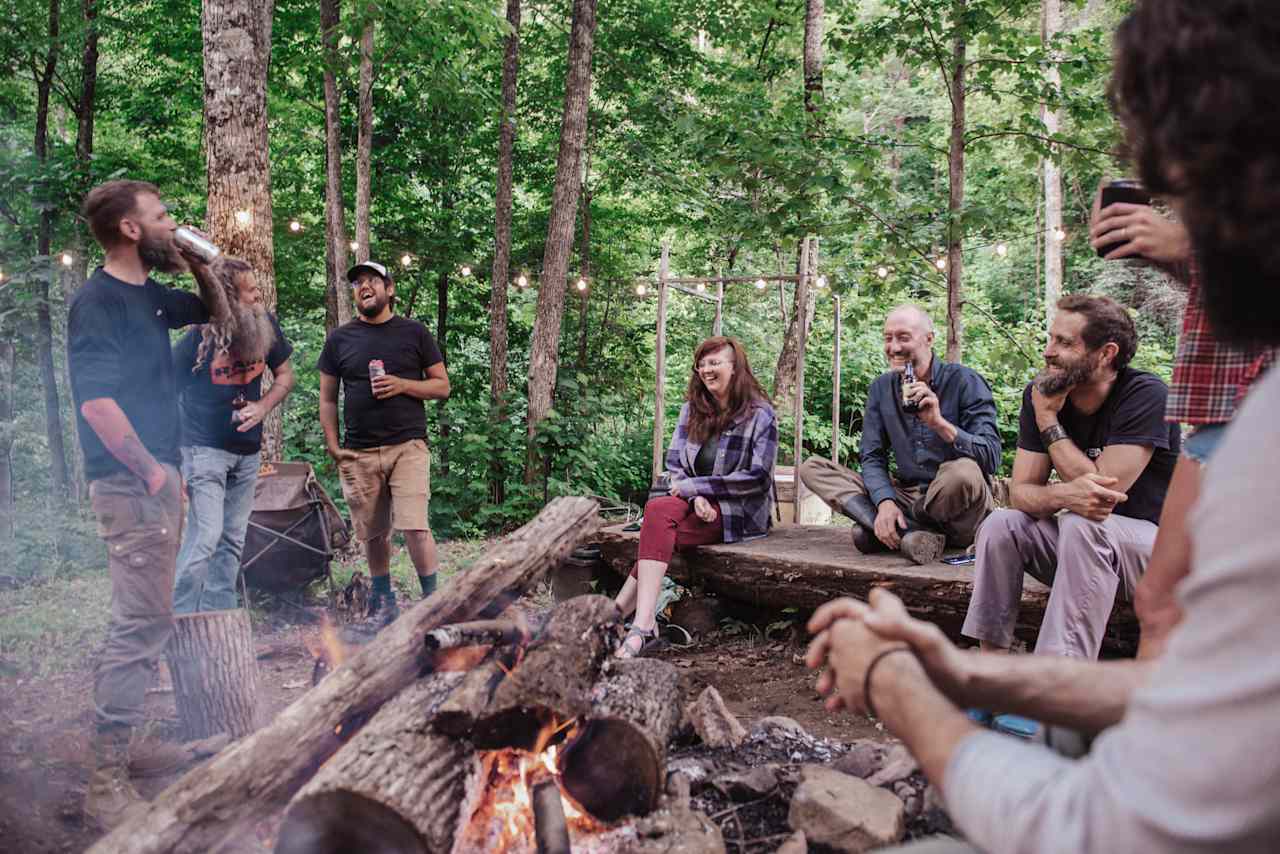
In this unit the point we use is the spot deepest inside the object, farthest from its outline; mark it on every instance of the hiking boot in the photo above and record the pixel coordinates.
(866, 541)
(111, 798)
(383, 611)
(923, 546)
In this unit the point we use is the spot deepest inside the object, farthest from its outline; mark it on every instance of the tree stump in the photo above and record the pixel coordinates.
(215, 674)
(617, 765)
(397, 787)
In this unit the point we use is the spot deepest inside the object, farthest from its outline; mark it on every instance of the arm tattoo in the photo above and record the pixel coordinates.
(130, 451)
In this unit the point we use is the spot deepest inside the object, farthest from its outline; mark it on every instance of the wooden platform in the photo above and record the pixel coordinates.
(804, 566)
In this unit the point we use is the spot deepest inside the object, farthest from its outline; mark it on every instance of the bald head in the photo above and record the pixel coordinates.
(908, 337)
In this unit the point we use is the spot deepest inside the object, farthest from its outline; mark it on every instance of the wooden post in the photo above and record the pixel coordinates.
(215, 673)
(835, 390)
(719, 324)
(660, 368)
(808, 253)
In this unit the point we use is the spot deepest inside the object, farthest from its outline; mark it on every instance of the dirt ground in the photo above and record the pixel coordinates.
(44, 746)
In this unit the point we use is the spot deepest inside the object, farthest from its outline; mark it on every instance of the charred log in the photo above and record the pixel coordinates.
(616, 766)
(477, 633)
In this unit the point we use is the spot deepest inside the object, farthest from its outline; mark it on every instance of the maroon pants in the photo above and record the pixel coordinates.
(670, 523)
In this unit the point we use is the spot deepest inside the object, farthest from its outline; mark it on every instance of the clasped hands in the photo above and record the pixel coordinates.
(850, 635)
(701, 507)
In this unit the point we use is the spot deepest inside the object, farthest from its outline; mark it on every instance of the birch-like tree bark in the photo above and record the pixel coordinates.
(1050, 26)
(338, 308)
(545, 346)
(955, 198)
(237, 58)
(364, 144)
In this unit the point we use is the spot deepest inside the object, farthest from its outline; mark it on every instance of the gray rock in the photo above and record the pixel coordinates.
(794, 844)
(863, 759)
(713, 722)
(780, 724)
(748, 785)
(843, 812)
(675, 830)
(898, 765)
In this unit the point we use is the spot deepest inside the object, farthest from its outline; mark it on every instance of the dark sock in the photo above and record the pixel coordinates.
(428, 583)
(382, 586)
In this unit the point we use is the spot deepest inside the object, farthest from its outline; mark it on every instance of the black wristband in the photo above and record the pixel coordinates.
(866, 677)
(1053, 433)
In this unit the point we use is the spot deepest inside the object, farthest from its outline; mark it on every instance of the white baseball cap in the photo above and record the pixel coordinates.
(371, 266)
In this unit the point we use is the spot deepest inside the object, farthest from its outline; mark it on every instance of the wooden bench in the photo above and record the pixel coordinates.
(803, 566)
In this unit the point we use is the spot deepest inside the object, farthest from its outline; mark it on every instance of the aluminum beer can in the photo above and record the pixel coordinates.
(376, 369)
(186, 238)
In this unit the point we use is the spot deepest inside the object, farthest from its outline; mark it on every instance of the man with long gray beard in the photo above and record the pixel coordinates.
(1100, 425)
(122, 380)
(219, 370)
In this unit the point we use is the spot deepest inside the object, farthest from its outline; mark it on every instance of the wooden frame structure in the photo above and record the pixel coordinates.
(808, 263)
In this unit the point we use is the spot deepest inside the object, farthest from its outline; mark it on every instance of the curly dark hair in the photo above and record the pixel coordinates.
(1106, 321)
(1196, 85)
(706, 418)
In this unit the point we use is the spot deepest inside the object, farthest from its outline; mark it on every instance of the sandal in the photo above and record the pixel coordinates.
(648, 641)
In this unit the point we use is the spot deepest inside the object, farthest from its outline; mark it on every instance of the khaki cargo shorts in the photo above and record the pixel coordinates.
(388, 487)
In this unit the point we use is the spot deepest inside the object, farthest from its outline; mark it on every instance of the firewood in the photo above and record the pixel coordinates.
(215, 674)
(616, 766)
(398, 786)
(256, 777)
(476, 633)
(550, 829)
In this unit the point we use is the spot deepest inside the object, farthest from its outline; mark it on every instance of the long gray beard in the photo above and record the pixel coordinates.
(254, 333)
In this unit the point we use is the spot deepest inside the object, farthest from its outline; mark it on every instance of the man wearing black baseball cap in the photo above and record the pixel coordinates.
(388, 365)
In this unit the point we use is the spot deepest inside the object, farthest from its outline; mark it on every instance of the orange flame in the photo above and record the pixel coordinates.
(334, 650)
(459, 658)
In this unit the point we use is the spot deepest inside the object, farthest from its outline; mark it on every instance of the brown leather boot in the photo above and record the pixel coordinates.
(111, 798)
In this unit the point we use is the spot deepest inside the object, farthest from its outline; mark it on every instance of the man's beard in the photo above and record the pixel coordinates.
(1054, 382)
(159, 254)
(254, 333)
(372, 309)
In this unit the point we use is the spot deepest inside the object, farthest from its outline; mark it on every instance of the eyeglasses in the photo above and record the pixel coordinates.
(712, 364)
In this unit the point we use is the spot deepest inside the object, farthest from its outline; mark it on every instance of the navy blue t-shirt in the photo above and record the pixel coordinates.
(118, 348)
(406, 349)
(205, 395)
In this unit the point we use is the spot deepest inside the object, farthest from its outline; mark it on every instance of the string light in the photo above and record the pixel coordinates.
(67, 259)
(466, 271)
(244, 217)
(702, 286)
(406, 260)
(1002, 250)
(582, 284)
(523, 281)
(295, 226)
(760, 284)
(882, 272)
(354, 246)
(641, 290)
(941, 263)
(821, 282)
(1059, 234)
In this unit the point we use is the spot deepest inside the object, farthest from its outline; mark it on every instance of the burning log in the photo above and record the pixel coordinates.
(477, 633)
(398, 786)
(506, 704)
(551, 831)
(215, 674)
(616, 766)
(256, 777)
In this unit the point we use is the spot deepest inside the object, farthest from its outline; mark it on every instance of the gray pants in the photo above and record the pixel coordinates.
(1086, 563)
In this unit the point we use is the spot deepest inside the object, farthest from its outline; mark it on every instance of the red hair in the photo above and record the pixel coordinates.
(706, 418)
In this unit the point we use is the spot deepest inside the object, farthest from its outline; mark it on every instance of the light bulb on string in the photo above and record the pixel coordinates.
(1002, 250)
(67, 259)
(523, 281)
(821, 281)
(761, 284)
(882, 272)
(354, 246)
(941, 263)
(465, 271)
(245, 218)
(702, 286)
(582, 284)
(295, 226)
(641, 290)
(406, 260)
(1059, 234)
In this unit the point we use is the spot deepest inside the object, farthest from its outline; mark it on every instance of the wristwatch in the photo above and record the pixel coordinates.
(1053, 433)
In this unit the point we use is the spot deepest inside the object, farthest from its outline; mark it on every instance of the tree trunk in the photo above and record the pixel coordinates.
(544, 350)
(215, 674)
(634, 714)
(196, 813)
(364, 144)
(803, 307)
(237, 59)
(584, 259)
(502, 248)
(398, 786)
(442, 332)
(8, 363)
(44, 318)
(1050, 25)
(813, 11)
(338, 308)
(955, 199)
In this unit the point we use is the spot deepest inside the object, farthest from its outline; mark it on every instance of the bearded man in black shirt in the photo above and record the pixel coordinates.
(122, 380)
(1100, 425)
(387, 366)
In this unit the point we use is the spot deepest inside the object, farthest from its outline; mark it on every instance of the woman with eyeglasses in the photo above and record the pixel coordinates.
(720, 469)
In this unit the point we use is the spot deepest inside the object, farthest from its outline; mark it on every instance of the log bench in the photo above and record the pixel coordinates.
(803, 566)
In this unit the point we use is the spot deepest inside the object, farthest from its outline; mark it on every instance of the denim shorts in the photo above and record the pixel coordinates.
(1203, 442)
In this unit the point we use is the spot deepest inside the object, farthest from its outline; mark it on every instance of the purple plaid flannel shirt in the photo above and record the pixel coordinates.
(742, 480)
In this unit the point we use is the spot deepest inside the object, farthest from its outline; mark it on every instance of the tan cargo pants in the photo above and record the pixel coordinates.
(141, 532)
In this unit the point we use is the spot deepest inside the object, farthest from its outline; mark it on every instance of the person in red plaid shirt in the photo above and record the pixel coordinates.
(1210, 379)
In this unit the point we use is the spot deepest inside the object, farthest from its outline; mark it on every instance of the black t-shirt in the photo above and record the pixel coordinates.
(406, 349)
(118, 347)
(205, 396)
(1132, 414)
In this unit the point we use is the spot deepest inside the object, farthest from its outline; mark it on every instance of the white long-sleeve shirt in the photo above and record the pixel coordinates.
(1194, 766)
